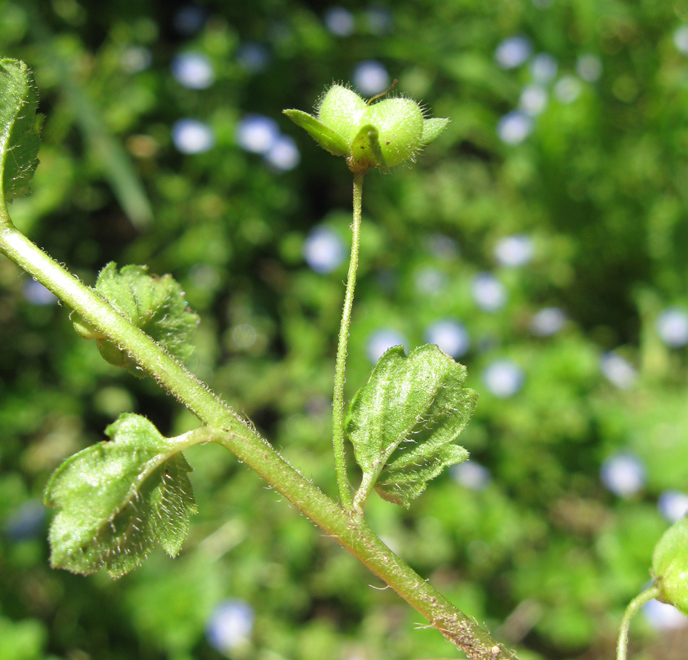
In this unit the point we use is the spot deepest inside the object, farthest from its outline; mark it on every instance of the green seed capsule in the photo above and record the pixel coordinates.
(380, 134)
(670, 566)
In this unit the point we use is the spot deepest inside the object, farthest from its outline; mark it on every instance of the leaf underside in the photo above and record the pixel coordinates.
(19, 128)
(403, 423)
(156, 305)
(116, 498)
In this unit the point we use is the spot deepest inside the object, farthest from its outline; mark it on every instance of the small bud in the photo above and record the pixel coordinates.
(380, 134)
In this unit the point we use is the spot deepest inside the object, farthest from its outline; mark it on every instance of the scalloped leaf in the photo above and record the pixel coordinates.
(154, 304)
(324, 136)
(20, 128)
(116, 498)
(403, 423)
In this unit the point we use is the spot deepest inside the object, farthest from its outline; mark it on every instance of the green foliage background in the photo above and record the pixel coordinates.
(545, 555)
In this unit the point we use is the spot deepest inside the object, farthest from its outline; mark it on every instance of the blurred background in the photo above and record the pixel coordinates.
(541, 241)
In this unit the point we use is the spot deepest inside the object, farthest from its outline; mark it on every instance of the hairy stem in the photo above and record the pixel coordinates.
(342, 349)
(242, 440)
(631, 611)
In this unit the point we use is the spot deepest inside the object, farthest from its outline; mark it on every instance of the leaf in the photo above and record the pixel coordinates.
(19, 128)
(324, 136)
(154, 304)
(117, 497)
(404, 421)
(432, 129)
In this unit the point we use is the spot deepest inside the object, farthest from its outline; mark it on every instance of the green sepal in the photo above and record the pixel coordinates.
(154, 304)
(20, 128)
(432, 129)
(324, 136)
(670, 566)
(403, 423)
(116, 498)
(366, 152)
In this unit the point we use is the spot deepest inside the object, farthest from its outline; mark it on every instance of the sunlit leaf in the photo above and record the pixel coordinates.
(116, 498)
(19, 128)
(404, 421)
(324, 136)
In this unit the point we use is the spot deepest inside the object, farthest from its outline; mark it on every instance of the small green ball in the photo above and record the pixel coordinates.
(400, 126)
(670, 566)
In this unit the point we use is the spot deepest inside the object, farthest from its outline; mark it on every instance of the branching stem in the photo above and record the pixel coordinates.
(243, 441)
(631, 611)
(342, 350)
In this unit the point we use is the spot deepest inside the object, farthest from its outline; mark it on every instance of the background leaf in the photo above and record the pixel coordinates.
(19, 128)
(403, 422)
(116, 498)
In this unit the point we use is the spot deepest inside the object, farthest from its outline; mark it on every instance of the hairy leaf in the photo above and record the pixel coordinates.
(404, 421)
(117, 497)
(19, 128)
(154, 304)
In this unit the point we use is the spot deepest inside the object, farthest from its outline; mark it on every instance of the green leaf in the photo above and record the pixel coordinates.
(670, 566)
(19, 128)
(404, 421)
(117, 497)
(154, 304)
(432, 129)
(324, 136)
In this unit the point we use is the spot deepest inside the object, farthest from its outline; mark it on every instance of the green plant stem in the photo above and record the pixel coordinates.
(342, 350)
(242, 440)
(631, 611)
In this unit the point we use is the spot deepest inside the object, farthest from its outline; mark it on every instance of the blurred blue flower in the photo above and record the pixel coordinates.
(662, 616)
(623, 474)
(514, 127)
(547, 322)
(193, 70)
(380, 19)
(340, 21)
(135, 59)
(323, 250)
(283, 155)
(443, 247)
(429, 280)
(35, 293)
(589, 67)
(543, 68)
(190, 19)
(672, 326)
(503, 378)
(567, 89)
(681, 39)
(26, 522)
(257, 134)
(370, 78)
(230, 625)
(192, 136)
(450, 336)
(673, 505)
(514, 251)
(488, 292)
(513, 52)
(471, 475)
(618, 370)
(533, 100)
(381, 340)
(253, 57)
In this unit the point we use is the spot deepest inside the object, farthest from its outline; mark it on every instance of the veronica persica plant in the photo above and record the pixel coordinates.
(369, 134)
